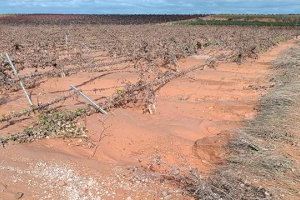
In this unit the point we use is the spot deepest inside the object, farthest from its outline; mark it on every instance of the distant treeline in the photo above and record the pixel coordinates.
(260, 17)
(239, 23)
(246, 20)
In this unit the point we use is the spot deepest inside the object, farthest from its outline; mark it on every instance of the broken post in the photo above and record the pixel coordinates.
(97, 107)
(20, 81)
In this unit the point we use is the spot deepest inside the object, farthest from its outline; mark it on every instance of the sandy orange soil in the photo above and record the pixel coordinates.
(195, 116)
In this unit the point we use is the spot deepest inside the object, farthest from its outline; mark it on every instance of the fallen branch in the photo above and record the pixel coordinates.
(104, 67)
(133, 92)
(33, 109)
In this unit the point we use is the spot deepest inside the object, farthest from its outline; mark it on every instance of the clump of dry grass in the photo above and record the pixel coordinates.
(258, 166)
(225, 184)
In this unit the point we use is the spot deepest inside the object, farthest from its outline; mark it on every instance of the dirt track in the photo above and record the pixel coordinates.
(195, 117)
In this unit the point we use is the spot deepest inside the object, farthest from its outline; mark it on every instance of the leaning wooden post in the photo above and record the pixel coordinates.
(97, 107)
(20, 81)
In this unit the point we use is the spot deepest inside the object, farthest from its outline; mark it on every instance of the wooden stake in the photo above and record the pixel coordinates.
(20, 81)
(96, 106)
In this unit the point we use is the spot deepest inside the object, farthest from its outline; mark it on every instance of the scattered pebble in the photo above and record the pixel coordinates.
(61, 183)
(2, 187)
(19, 195)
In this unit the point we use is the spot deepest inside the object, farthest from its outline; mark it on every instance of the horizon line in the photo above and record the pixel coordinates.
(149, 14)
